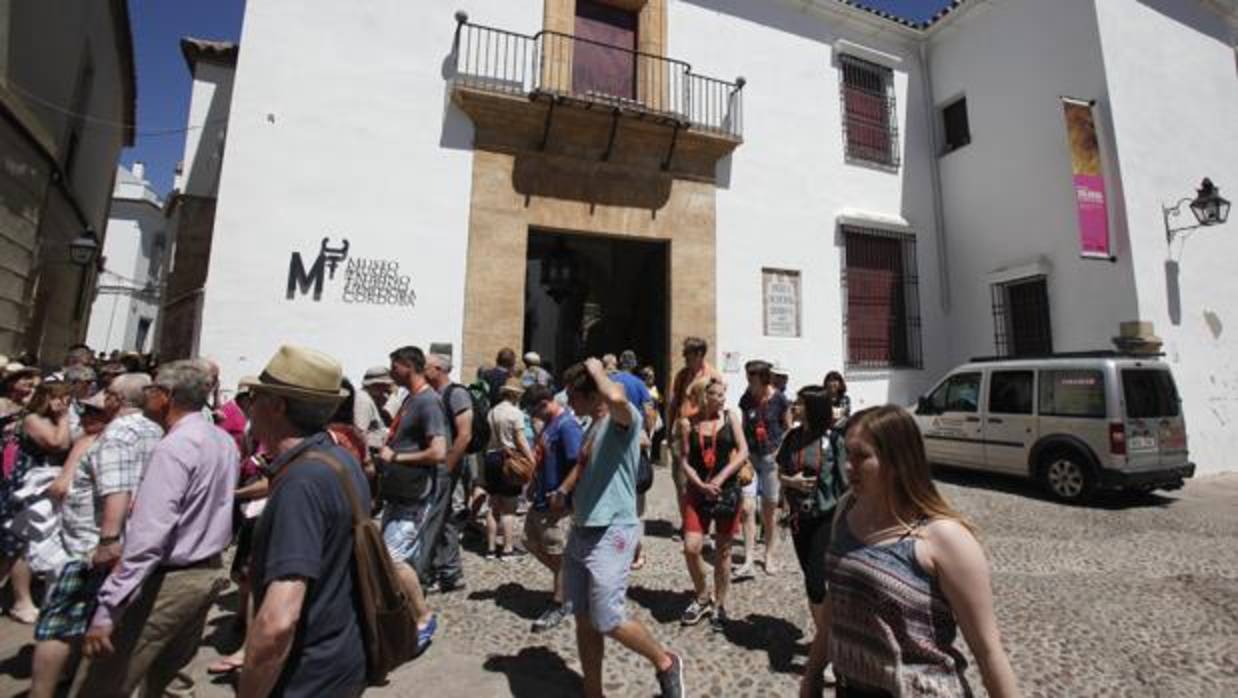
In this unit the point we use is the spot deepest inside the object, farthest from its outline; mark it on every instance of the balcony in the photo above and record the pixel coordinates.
(567, 95)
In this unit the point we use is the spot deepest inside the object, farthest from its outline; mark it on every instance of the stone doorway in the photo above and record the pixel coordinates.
(589, 295)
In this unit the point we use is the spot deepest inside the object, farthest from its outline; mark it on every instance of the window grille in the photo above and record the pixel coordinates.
(870, 128)
(1021, 320)
(881, 320)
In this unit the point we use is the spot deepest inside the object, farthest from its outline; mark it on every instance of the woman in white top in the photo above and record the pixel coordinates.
(506, 437)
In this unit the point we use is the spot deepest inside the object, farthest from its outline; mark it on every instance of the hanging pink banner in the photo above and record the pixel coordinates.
(1089, 179)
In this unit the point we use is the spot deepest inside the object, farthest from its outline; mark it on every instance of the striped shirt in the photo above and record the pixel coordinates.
(891, 627)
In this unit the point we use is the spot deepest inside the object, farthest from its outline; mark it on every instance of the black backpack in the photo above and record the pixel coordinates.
(479, 395)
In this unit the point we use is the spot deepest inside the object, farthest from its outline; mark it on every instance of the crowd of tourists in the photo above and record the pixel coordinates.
(341, 508)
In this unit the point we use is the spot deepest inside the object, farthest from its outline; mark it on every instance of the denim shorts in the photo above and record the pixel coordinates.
(403, 528)
(768, 486)
(596, 565)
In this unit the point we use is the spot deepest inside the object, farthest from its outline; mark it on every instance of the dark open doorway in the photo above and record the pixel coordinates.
(592, 295)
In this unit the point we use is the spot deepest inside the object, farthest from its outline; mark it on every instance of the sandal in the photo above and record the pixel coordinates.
(25, 616)
(226, 665)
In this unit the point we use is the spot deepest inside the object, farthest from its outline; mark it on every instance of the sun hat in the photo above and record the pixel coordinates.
(14, 368)
(302, 374)
(98, 401)
(246, 385)
(533, 358)
(377, 375)
(512, 386)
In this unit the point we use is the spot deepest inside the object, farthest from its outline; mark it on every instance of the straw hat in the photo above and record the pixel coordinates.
(98, 401)
(14, 368)
(302, 374)
(377, 375)
(532, 358)
(513, 386)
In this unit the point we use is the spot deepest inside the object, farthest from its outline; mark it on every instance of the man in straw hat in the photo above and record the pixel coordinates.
(367, 415)
(409, 464)
(153, 606)
(305, 638)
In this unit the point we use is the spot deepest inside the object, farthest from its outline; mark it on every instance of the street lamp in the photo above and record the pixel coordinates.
(1208, 206)
(84, 248)
(558, 272)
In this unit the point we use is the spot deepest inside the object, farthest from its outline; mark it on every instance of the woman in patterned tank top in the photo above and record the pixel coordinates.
(905, 573)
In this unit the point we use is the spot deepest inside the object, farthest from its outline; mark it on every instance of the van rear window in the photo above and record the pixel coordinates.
(1149, 393)
(1072, 393)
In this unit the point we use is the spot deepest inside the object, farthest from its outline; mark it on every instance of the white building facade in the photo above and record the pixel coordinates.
(126, 299)
(402, 174)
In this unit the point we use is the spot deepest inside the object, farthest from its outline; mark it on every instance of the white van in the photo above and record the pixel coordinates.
(1074, 422)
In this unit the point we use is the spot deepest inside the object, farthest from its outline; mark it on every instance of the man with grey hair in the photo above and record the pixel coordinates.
(443, 571)
(92, 518)
(153, 606)
(81, 380)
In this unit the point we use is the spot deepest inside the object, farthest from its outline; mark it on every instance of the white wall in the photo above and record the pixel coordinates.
(341, 127)
(1174, 87)
(789, 181)
(1008, 196)
(134, 226)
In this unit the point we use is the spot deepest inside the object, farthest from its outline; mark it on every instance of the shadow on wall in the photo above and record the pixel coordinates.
(536, 174)
(1194, 15)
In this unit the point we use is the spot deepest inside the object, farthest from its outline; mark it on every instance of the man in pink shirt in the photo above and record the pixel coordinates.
(153, 606)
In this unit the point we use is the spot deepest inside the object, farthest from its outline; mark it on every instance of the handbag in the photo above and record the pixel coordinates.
(518, 469)
(746, 474)
(726, 505)
(644, 473)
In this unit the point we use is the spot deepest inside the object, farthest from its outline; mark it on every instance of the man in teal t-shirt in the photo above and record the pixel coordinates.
(599, 551)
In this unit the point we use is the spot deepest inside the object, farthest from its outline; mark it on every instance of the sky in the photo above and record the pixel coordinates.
(163, 77)
(164, 80)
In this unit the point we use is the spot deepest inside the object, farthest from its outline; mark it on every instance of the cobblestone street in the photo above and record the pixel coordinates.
(1136, 596)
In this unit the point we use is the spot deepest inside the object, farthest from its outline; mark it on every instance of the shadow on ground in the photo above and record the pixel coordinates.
(19, 665)
(780, 639)
(664, 604)
(1108, 500)
(526, 603)
(536, 672)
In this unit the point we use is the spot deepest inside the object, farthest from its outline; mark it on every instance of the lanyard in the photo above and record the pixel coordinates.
(710, 457)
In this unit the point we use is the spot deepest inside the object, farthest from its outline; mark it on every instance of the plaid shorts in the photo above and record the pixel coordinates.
(71, 602)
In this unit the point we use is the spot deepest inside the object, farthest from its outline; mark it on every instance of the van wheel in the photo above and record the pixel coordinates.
(1067, 476)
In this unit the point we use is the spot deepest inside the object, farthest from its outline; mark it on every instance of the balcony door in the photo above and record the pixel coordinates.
(603, 63)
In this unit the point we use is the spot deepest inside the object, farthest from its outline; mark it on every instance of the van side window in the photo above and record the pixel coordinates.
(1149, 393)
(1072, 393)
(1010, 392)
(960, 393)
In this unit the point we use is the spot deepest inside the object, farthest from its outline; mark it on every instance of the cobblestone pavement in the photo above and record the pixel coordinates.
(1136, 596)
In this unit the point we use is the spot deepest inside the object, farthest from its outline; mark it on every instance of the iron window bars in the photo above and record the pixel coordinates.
(870, 123)
(881, 315)
(1021, 322)
(542, 65)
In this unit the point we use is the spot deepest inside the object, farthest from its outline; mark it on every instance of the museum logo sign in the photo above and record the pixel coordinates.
(365, 281)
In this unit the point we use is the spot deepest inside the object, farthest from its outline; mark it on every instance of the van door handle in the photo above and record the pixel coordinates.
(995, 420)
(972, 419)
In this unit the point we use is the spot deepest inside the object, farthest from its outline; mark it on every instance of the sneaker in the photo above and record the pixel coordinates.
(491, 556)
(743, 573)
(426, 635)
(696, 612)
(552, 617)
(671, 681)
(446, 586)
(718, 621)
(827, 677)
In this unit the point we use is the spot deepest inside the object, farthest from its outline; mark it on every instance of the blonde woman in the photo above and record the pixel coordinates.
(905, 574)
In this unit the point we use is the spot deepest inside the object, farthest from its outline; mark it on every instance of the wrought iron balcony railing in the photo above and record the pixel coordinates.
(554, 65)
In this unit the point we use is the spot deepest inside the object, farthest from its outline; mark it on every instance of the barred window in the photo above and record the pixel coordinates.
(1021, 321)
(882, 316)
(869, 126)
